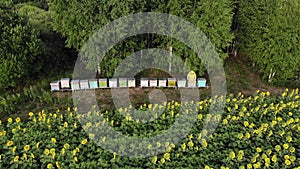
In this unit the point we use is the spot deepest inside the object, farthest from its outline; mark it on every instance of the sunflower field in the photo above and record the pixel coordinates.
(259, 131)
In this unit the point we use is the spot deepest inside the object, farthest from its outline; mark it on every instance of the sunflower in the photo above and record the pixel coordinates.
(10, 143)
(27, 147)
(16, 159)
(83, 142)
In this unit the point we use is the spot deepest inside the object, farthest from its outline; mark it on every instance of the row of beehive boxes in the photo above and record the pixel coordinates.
(66, 83)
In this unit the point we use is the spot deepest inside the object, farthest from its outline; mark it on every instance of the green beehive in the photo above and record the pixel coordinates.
(75, 85)
(122, 82)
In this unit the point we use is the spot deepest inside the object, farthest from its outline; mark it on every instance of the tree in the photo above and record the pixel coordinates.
(269, 34)
(77, 20)
(19, 47)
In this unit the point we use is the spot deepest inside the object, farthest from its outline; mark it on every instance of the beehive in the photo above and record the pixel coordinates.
(84, 84)
(55, 86)
(181, 82)
(153, 83)
(122, 82)
(65, 83)
(102, 83)
(191, 83)
(93, 83)
(131, 82)
(75, 85)
(171, 82)
(113, 83)
(144, 82)
(162, 82)
(201, 82)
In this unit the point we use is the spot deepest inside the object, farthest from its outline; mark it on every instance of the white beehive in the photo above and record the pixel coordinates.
(162, 82)
(84, 84)
(153, 83)
(113, 83)
(144, 82)
(55, 86)
(65, 83)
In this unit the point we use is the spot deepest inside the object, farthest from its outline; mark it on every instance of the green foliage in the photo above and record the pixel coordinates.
(268, 32)
(19, 48)
(78, 21)
(38, 18)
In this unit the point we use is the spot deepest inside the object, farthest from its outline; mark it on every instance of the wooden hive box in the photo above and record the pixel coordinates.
(171, 82)
(181, 83)
(201, 82)
(123, 82)
(162, 82)
(144, 82)
(84, 84)
(153, 82)
(131, 82)
(75, 85)
(113, 83)
(55, 85)
(103, 83)
(65, 83)
(93, 83)
(191, 83)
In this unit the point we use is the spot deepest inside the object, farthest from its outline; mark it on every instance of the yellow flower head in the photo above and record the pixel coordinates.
(190, 144)
(57, 164)
(10, 143)
(66, 146)
(27, 147)
(154, 159)
(285, 146)
(232, 155)
(16, 159)
(287, 162)
(9, 120)
(167, 156)
(18, 119)
(83, 142)
(30, 114)
(49, 166)
(53, 140)
(258, 149)
(46, 152)
(277, 148)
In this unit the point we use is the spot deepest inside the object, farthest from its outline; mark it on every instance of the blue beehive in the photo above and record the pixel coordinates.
(201, 82)
(93, 84)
